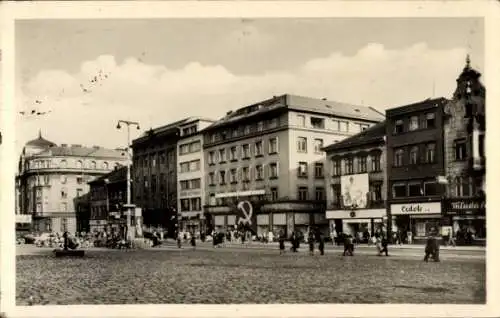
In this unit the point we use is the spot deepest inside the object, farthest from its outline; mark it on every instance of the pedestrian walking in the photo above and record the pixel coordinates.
(432, 249)
(385, 246)
(282, 243)
(193, 241)
(310, 240)
(321, 245)
(179, 240)
(348, 246)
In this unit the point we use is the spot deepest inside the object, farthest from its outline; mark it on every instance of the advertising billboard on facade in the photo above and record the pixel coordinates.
(354, 190)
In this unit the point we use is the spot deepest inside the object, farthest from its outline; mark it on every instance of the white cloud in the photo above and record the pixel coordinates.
(155, 95)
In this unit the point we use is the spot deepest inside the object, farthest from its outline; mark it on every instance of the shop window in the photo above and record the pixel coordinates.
(460, 147)
(399, 190)
(415, 190)
(301, 144)
(413, 123)
(430, 120)
(336, 167)
(362, 164)
(398, 126)
(430, 188)
(320, 193)
(430, 153)
(414, 155)
(349, 166)
(274, 194)
(318, 170)
(302, 193)
(398, 157)
(302, 171)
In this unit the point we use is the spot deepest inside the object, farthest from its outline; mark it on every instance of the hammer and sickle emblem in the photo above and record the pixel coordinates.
(246, 208)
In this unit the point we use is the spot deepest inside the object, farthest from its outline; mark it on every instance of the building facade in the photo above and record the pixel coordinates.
(155, 174)
(266, 161)
(415, 156)
(465, 166)
(50, 177)
(108, 195)
(356, 183)
(191, 174)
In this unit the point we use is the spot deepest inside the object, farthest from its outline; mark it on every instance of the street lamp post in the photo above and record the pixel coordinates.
(129, 205)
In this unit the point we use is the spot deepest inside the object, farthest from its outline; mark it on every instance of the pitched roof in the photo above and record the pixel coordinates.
(301, 103)
(77, 151)
(375, 133)
(418, 106)
(40, 142)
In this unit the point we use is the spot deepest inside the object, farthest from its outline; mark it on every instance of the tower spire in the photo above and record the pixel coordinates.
(467, 61)
(39, 134)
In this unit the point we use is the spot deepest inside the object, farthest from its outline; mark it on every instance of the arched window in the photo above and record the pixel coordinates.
(63, 164)
(93, 165)
(105, 165)
(398, 157)
(414, 155)
(79, 164)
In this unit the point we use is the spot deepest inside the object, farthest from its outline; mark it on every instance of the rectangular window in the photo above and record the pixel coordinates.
(194, 146)
(247, 129)
(398, 126)
(153, 183)
(258, 148)
(335, 124)
(184, 149)
(398, 157)
(414, 155)
(273, 123)
(211, 178)
(399, 190)
(196, 184)
(318, 145)
(46, 180)
(430, 120)
(233, 153)
(195, 204)
(184, 204)
(184, 167)
(194, 165)
(260, 126)
(361, 164)
(38, 207)
(302, 171)
(184, 185)
(301, 144)
(415, 190)
(222, 177)
(233, 176)
(335, 193)
(222, 155)
(274, 194)
(376, 163)
(301, 120)
(376, 192)
(302, 194)
(79, 180)
(273, 167)
(79, 192)
(413, 123)
(463, 187)
(320, 193)
(235, 132)
(336, 167)
(245, 171)
(318, 123)
(430, 188)
(430, 153)
(349, 166)
(259, 172)
(211, 158)
(273, 145)
(64, 179)
(363, 127)
(318, 170)
(245, 150)
(38, 193)
(343, 126)
(460, 149)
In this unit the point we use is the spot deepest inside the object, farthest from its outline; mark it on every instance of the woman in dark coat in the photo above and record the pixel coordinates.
(310, 240)
(321, 245)
(282, 243)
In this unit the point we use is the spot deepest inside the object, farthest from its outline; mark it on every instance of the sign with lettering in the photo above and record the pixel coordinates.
(416, 208)
(465, 205)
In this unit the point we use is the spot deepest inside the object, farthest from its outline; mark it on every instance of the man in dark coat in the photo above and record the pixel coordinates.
(321, 245)
(348, 245)
(385, 246)
(432, 249)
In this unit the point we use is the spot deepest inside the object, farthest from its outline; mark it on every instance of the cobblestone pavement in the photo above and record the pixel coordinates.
(218, 276)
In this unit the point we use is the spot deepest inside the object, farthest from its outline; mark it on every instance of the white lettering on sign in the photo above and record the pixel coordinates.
(416, 208)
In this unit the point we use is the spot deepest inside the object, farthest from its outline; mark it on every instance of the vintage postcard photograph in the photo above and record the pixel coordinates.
(244, 159)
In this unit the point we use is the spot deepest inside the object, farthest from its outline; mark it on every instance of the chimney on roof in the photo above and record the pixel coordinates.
(229, 112)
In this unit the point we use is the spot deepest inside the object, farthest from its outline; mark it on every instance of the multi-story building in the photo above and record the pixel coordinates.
(356, 183)
(414, 139)
(155, 172)
(265, 161)
(108, 195)
(50, 177)
(190, 174)
(464, 131)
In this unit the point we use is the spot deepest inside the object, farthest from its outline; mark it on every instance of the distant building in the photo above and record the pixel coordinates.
(465, 161)
(108, 195)
(156, 166)
(50, 177)
(270, 155)
(415, 157)
(356, 183)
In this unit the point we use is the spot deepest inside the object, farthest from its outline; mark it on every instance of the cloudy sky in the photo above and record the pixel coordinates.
(158, 71)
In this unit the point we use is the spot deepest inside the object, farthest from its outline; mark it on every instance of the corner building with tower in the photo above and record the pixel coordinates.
(270, 154)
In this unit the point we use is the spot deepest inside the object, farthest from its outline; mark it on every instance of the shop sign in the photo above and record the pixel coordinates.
(463, 205)
(416, 208)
